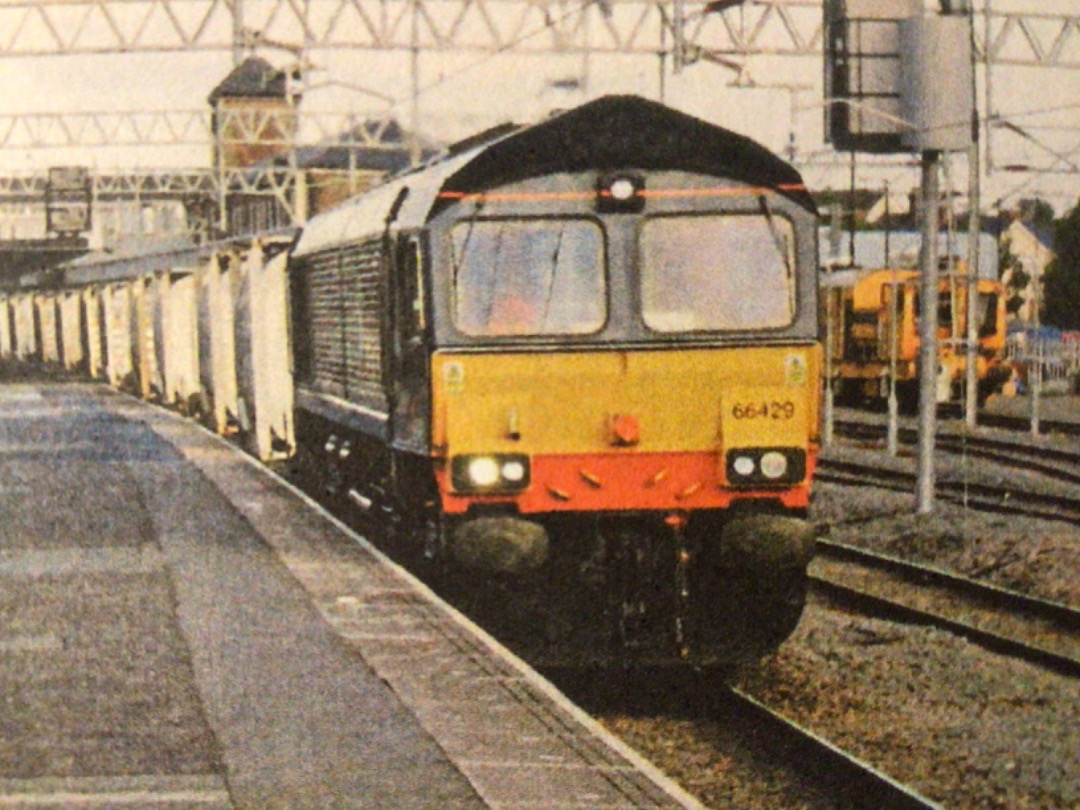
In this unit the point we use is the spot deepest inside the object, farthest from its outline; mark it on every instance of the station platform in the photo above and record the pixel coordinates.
(180, 628)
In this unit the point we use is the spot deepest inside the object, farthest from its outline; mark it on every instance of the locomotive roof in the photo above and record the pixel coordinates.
(619, 132)
(610, 133)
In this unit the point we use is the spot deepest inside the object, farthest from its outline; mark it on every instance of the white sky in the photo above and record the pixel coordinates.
(470, 91)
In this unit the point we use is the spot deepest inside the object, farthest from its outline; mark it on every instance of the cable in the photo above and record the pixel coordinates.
(548, 24)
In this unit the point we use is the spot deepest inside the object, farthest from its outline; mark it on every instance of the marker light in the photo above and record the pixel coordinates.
(743, 465)
(513, 471)
(765, 466)
(773, 465)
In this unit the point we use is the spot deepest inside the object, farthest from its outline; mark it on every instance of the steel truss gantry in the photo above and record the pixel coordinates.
(189, 128)
(729, 32)
(103, 128)
(721, 28)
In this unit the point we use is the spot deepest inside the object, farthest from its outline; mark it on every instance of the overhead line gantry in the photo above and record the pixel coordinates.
(728, 32)
(708, 27)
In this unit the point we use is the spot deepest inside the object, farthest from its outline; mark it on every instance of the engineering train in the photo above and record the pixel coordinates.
(872, 326)
(574, 365)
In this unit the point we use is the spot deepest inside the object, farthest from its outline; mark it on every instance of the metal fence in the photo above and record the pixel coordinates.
(1056, 353)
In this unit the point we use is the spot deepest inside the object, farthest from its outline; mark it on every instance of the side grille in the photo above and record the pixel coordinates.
(339, 350)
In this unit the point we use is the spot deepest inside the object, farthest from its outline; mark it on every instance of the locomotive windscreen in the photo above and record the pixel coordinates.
(718, 272)
(528, 277)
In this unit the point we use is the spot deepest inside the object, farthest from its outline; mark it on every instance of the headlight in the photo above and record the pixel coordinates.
(489, 473)
(757, 466)
(620, 193)
(622, 189)
(483, 471)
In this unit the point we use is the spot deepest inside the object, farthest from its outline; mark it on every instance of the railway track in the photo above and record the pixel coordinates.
(864, 786)
(1010, 424)
(1036, 630)
(1020, 423)
(778, 750)
(1010, 500)
(1055, 463)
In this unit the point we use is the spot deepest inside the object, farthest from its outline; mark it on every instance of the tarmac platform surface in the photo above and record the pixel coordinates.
(180, 628)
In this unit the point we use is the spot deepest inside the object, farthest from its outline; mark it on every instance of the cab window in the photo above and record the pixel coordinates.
(517, 277)
(987, 314)
(720, 272)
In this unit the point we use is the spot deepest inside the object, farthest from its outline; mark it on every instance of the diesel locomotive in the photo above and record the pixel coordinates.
(582, 357)
(573, 366)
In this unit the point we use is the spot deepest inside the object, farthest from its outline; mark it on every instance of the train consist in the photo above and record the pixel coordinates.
(574, 364)
(872, 327)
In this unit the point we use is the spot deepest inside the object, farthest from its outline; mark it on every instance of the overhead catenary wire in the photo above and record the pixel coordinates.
(549, 23)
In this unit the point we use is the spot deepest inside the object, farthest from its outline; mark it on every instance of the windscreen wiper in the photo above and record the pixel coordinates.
(551, 278)
(455, 260)
(778, 240)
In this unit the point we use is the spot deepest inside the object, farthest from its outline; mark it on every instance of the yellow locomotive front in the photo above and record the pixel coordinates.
(610, 430)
